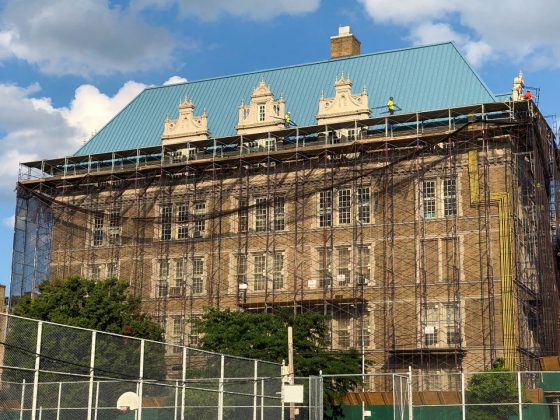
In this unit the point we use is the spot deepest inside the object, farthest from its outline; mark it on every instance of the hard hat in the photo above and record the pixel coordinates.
(289, 113)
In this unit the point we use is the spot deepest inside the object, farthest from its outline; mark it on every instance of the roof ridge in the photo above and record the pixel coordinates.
(312, 63)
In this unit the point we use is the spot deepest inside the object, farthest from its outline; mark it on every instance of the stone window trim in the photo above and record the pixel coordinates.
(345, 206)
(439, 197)
(345, 266)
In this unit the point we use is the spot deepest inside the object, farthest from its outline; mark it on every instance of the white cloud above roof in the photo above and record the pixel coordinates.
(512, 29)
(84, 38)
(35, 129)
(175, 80)
(252, 9)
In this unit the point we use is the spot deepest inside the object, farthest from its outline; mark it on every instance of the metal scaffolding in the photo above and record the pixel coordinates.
(426, 239)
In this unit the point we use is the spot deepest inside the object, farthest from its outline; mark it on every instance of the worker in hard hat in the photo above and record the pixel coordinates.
(288, 119)
(391, 105)
(528, 95)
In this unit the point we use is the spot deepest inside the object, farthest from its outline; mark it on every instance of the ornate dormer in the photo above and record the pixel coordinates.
(187, 127)
(345, 106)
(518, 85)
(263, 113)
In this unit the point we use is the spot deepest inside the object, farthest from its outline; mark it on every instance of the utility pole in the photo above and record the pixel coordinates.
(291, 368)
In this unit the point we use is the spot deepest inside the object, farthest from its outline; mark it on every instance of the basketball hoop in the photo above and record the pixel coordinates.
(127, 401)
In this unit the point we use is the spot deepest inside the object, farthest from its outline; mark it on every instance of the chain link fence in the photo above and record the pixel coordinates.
(491, 395)
(52, 371)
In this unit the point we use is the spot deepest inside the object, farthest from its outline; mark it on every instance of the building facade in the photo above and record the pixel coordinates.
(426, 237)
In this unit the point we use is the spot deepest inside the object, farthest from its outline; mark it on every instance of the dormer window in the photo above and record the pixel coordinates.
(261, 113)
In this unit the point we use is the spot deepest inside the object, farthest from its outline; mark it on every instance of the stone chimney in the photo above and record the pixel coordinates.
(345, 44)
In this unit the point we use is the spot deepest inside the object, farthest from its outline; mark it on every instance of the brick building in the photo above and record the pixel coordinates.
(425, 236)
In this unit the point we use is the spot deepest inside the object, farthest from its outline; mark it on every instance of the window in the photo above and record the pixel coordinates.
(162, 289)
(364, 205)
(351, 134)
(98, 219)
(261, 109)
(324, 271)
(177, 326)
(449, 197)
(199, 221)
(179, 272)
(278, 271)
(115, 227)
(163, 270)
(429, 199)
(279, 213)
(363, 335)
(325, 208)
(241, 269)
(344, 206)
(95, 271)
(182, 221)
(363, 268)
(442, 323)
(193, 333)
(343, 332)
(165, 221)
(260, 214)
(259, 267)
(112, 270)
(439, 198)
(243, 214)
(344, 265)
(198, 275)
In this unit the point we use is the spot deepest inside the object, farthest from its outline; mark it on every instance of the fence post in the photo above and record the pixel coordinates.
(463, 402)
(96, 400)
(58, 401)
(255, 390)
(519, 396)
(91, 373)
(176, 399)
(141, 379)
(262, 399)
(184, 379)
(37, 365)
(22, 403)
(409, 390)
(221, 389)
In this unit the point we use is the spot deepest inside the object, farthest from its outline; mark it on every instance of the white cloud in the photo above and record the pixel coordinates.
(429, 33)
(174, 80)
(81, 37)
(35, 129)
(251, 9)
(510, 29)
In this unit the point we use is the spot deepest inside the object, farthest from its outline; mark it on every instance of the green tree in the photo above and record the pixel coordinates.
(265, 336)
(497, 386)
(100, 305)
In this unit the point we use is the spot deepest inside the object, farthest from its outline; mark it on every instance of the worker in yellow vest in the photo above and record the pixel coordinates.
(391, 106)
(288, 119)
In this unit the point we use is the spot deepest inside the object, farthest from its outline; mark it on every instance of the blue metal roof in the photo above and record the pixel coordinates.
(420, 79)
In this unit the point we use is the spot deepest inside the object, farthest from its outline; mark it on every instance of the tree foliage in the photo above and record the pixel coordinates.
(99, 305)
(265, 336)
(499, 385)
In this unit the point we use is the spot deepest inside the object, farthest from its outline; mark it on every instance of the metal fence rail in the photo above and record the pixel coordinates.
(54, 371)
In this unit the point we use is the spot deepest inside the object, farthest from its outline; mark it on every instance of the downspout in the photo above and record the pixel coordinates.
(500, 199)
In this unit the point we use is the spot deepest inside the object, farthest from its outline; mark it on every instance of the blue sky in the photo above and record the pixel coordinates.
(67, 66)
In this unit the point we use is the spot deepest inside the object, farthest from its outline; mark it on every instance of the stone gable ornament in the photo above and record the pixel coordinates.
(345, 106)
(187, 126)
